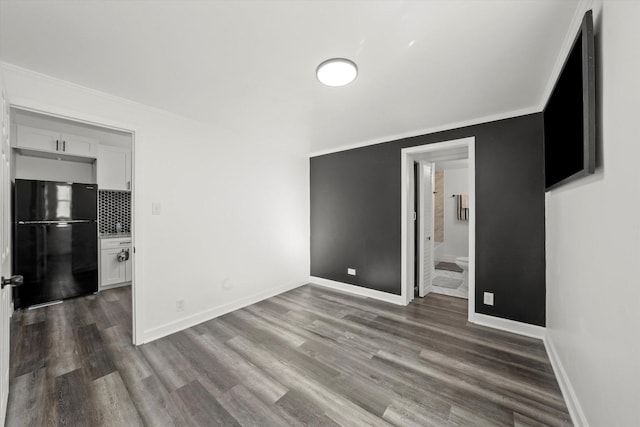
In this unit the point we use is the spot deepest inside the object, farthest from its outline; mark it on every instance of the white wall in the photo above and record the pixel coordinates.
(456, 233)
(593, 242)
(225, 238)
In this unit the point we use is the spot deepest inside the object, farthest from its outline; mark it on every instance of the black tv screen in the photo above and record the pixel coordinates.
(569, 116)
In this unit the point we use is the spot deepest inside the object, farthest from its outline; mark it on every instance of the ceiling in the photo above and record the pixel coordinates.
(250, 65)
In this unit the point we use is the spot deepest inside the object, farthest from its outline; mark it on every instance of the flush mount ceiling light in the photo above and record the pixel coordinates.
(337, 72)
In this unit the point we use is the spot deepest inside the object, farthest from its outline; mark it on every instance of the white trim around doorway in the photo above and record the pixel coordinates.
(407, 261)
(137, 308)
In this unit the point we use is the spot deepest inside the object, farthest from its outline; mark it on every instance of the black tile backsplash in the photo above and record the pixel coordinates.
(114, 207)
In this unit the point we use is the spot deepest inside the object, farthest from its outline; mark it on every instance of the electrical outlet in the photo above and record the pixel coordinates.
(180, 305)
(488, 298)
(156, 208)
(351, 271)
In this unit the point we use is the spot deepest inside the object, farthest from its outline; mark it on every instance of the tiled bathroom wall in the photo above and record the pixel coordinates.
(114, 207)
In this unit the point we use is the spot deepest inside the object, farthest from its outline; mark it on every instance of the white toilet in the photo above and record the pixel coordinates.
(463, 263)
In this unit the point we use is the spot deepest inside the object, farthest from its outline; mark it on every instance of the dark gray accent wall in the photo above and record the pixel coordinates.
(355, 215)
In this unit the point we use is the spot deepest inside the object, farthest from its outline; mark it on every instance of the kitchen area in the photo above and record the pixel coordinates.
(72, 208)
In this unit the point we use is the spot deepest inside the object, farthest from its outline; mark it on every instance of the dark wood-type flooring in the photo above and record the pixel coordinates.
(310, 356)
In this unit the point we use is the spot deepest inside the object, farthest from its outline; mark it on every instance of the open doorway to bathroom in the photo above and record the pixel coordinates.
(450, 212)
(438, 220)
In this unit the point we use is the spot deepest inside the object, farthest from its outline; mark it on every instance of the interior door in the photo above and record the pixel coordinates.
(426, 226)
(417, 219)
(5, 255)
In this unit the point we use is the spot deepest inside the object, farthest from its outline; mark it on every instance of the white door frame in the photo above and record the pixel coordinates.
(137, 307)
(5, 254)
(407, 233)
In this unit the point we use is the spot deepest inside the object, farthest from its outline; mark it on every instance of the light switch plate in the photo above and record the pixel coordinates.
(351, 271)
(156, 208)
(488, 298)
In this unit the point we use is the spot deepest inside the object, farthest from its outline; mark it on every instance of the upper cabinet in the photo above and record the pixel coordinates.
(114, 168)
(48, 141)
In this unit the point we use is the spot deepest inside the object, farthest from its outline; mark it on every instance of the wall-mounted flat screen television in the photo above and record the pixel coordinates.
(569, 116)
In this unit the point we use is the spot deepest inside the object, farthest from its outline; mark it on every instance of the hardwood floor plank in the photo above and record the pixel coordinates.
(204, 409)
(156, 406)
(61, 343)
(465, 348)
(310, 356)
(462, 417)
(29, 394)
(477, 387)
(111, 403)
(248, 410)
(378, 376)
(72, 401)
(171, 368)
(128, 360)
(304, 410)
(257, 381)
(29, 354)
(404, 413)
(100, 316)
(489, 377)
(339, 409)
(362, 393)
(210, 372)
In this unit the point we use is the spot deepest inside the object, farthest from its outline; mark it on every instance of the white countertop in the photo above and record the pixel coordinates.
(113, 235)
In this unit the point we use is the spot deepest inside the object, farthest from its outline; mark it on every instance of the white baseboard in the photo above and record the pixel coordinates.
(117, 285)
(358, 290)
(211, 313)
(575, 410)
(519, 328)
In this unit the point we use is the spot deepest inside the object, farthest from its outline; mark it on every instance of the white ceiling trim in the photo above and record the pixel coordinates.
(434, 129)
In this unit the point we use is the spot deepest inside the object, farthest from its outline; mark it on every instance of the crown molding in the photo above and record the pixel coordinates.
(426, 131)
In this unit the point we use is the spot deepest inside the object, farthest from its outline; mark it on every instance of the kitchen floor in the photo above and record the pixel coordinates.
(310, 356)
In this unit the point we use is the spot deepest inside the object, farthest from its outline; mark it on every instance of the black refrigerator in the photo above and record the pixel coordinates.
(55, 240)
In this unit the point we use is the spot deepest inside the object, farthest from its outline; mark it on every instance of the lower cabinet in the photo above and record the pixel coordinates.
(115, 262)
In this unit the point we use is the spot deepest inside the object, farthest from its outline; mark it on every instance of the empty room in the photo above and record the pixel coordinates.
(319, 213)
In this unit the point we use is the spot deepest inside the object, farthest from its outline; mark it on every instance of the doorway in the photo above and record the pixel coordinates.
(54, 149)
(418, 170)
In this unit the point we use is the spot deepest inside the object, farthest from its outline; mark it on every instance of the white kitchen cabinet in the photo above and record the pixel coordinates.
(79, 145)
(37, 139)
(114, 168)
(49, 141)
(112, 271)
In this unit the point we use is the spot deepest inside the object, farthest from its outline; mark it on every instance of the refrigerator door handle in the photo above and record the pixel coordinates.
(71, 221)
